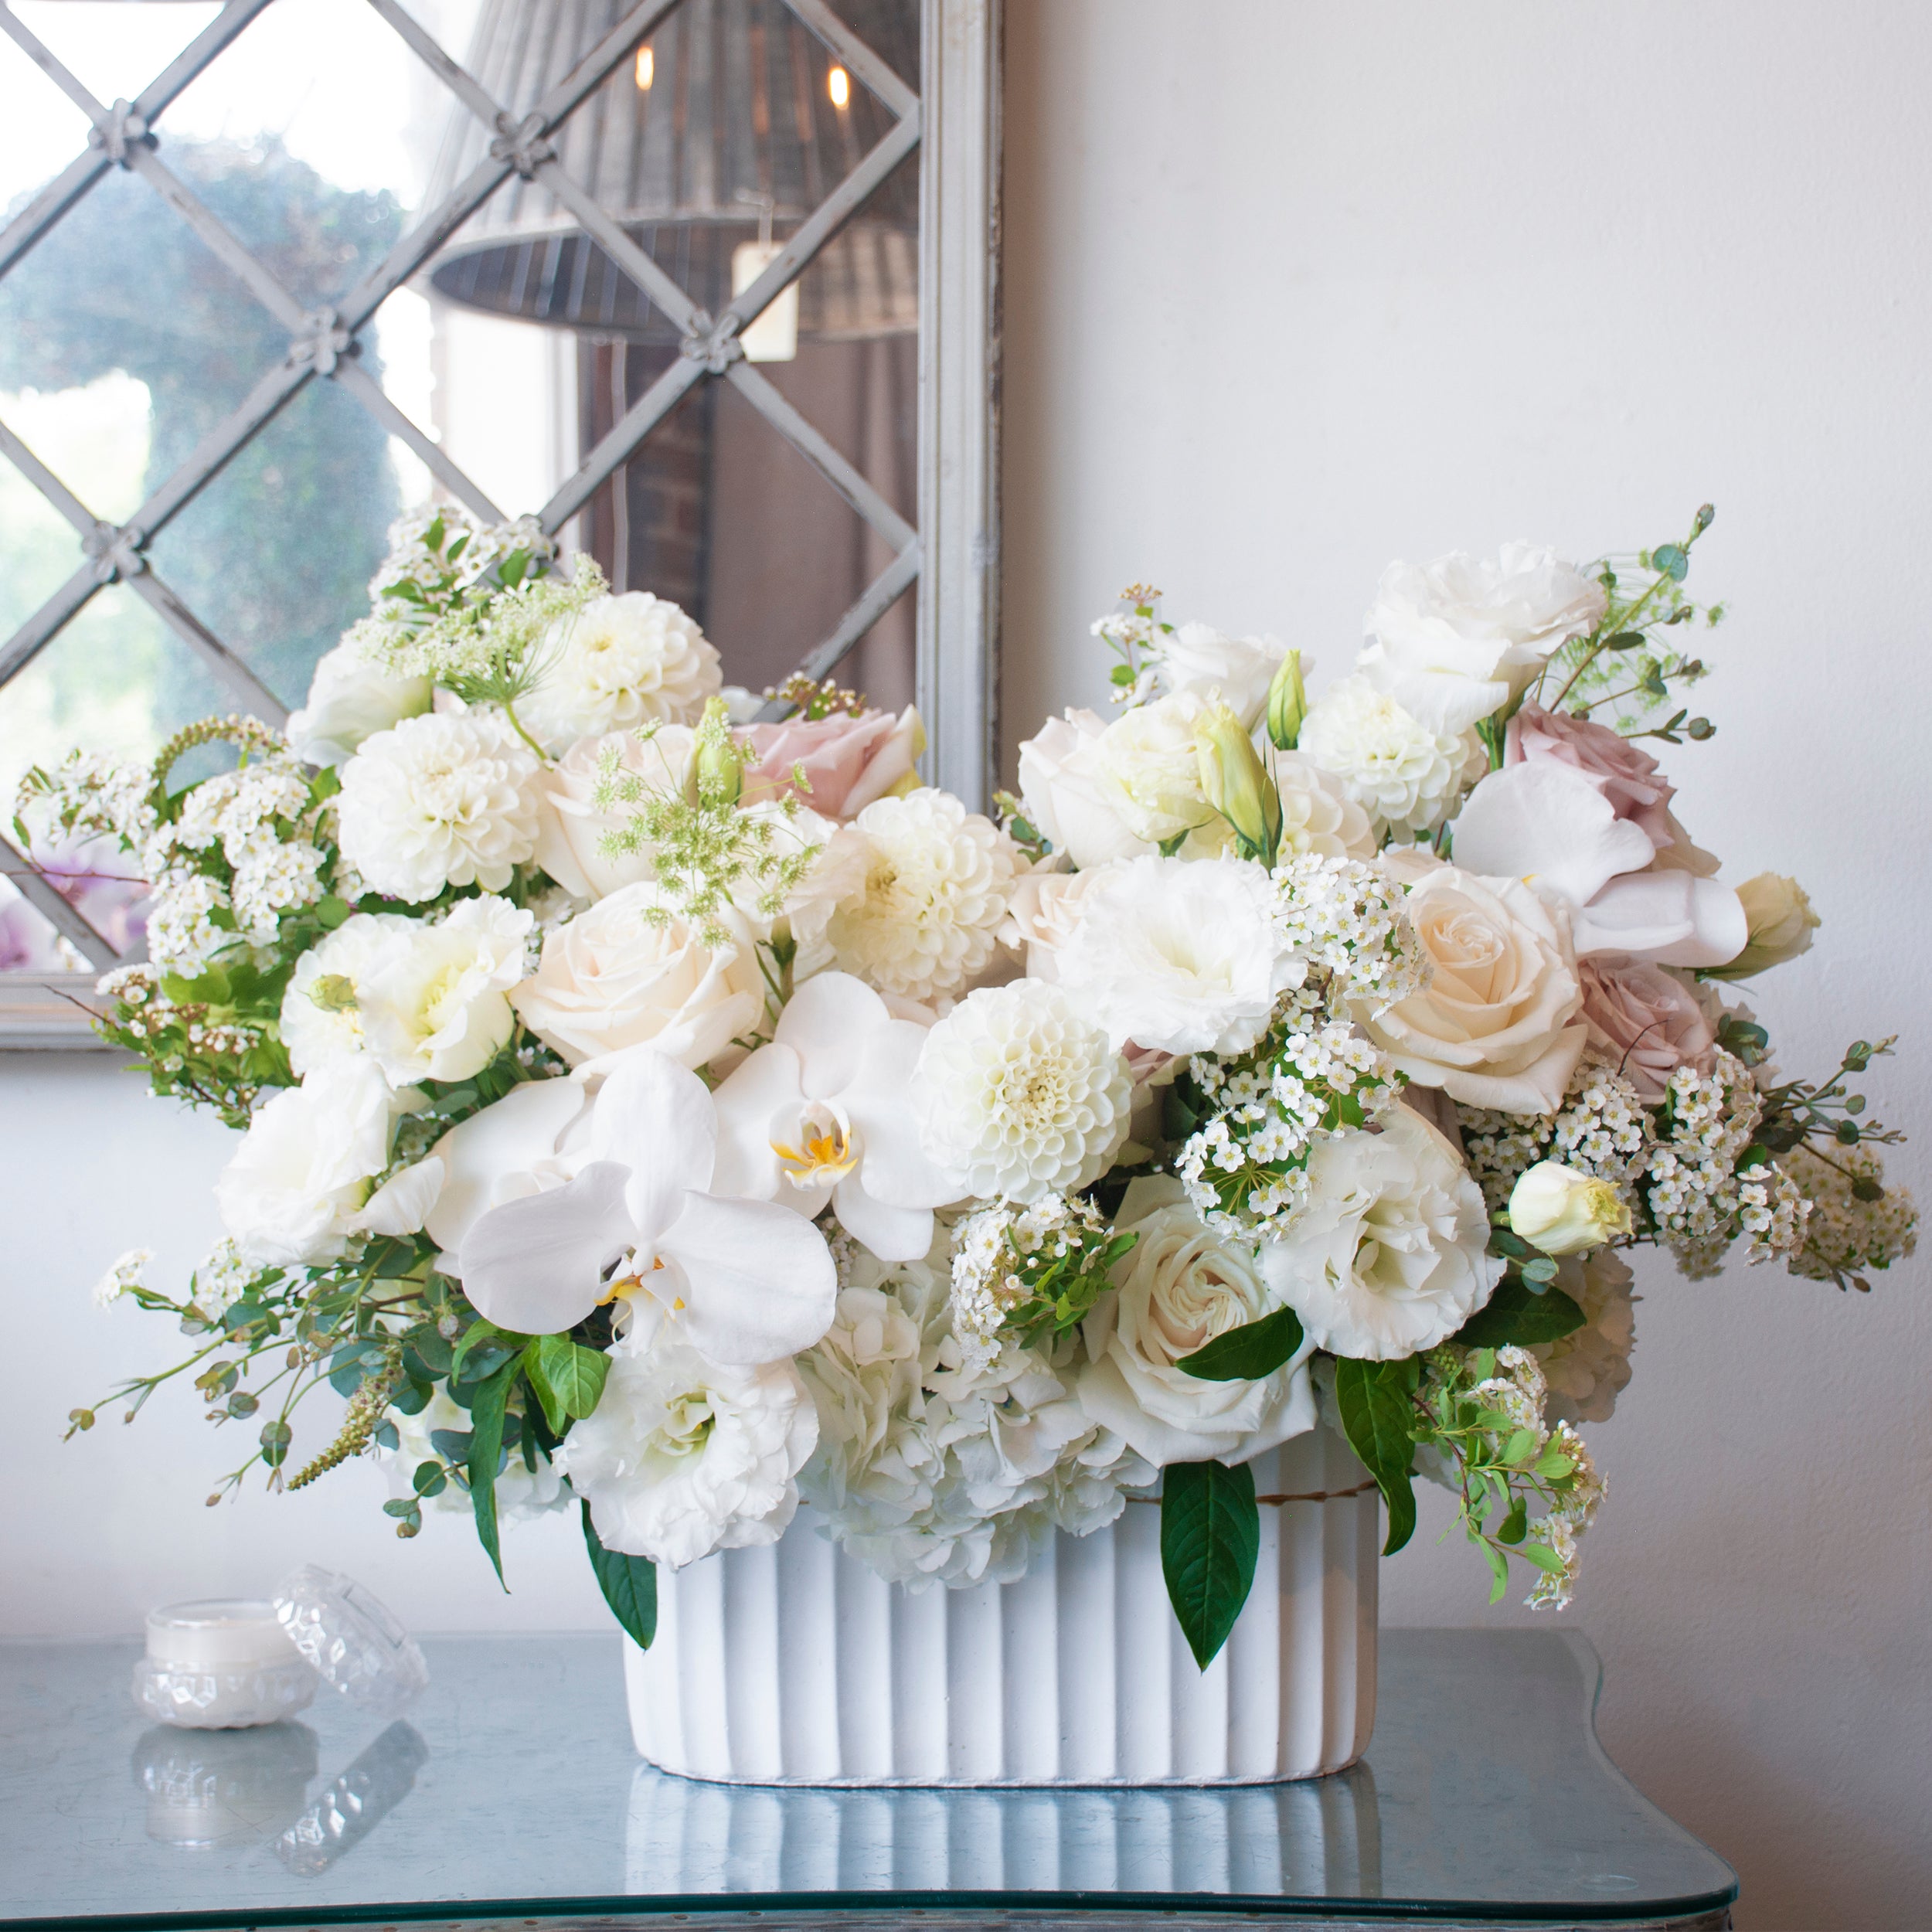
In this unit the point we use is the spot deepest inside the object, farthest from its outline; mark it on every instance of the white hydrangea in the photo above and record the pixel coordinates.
(921, 920)
(1589, 1367)
(446, 799)
(1407, 778)
(622, 662)
(123, 1278)
(930, 1471)
(1017, 1095)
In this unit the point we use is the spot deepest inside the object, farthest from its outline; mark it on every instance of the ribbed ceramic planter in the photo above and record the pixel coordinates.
(794, 1664)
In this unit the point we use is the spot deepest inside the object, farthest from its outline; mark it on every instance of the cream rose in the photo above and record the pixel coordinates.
(570, 828)
(1498, 1024)
(633, 971)
(1041, 916)
(1779, 914)
(1178, 1289)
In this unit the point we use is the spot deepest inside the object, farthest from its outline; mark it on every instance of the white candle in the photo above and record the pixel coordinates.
(223, 1663)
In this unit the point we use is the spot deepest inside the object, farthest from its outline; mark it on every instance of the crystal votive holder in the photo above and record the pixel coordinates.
(220, 1665)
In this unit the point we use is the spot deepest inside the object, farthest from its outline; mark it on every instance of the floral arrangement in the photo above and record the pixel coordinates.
(689, 1117)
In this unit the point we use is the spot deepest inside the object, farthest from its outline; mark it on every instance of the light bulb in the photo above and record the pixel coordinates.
(647, 68)
(838, 86)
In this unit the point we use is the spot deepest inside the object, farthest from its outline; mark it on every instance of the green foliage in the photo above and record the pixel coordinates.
(1210, 1538)
(629, 1583)
(1378, 1417)
(1517, 1314)
(487, 1408)
(568, 1378)
(1020, 828)
(1246, 1354)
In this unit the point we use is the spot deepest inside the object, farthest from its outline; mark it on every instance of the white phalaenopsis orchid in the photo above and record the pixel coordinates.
(824, 1114)
(630, 1212)
(1551, 826)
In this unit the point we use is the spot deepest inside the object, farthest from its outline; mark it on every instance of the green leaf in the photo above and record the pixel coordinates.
(1514, 1524)
(629, 1583)
(1246, 1354)
(1552, 1465)
(1542, 1556)
(486, 1451)
(1539, 1273)
(331, 912)
(1624, 640)
(486, 1335)
(1210, 1537)
(1518, 1448)
(568, 1378)
(1379, 1421)
(1499, 1567)
(1513, 1317)
(1669, 558)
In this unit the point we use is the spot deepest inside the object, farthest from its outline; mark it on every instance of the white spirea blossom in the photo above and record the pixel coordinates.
(920, 920)
(930, 1471)
(123, 1278)
(1017, 1095)
(1345, 918)
(447, 799)
(1406, 777)
(682, 1456)
(1603, 1129)
(1858, 1220)
(622, 661)
(182, 937)
(987, 1248)
(1183, 956)
(223, 1277)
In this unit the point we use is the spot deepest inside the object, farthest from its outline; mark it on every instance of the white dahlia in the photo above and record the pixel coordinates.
(922, 920)
(1183, 956)
(1406, 776)
(622, 662)
(446, 799)
(682, 1456)
(1017, 1096)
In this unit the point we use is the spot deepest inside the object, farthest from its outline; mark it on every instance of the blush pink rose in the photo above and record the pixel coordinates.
(1630, 779)
(1645, 1021)
(848, 762)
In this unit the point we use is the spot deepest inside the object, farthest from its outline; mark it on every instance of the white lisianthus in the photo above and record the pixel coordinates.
(322, 1012)
(633, 971)
(1407, 777)
(350, 700)
(571, 827)
(1589, 1367)
(1147, 768)
(1563, 1211)
(1454, 640)
(1499, 1021)
(434, 1007)
(682, 1456)
(448, 799)
(921, 924)
(290, 1196)
(1388, 1258)
(621, 662)
(1197, 658)
(1178, 1288)
(1060, 786)
(1185, 956)
(1318, 814)
(1017, 1094)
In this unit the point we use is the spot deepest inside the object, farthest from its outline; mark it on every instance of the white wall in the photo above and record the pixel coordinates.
(1293, 289)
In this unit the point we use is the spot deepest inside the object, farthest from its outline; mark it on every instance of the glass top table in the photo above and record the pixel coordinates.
(510, 1792)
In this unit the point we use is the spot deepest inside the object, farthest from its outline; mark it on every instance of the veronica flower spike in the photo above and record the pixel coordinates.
(744, 1282)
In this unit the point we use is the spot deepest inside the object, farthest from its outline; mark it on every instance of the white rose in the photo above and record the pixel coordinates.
(634, 970)
(1587, 1368)
(1059, 784)
(1198, 658)
(448, 799)
(1147, 767)
(682, 1456)
(291, 1195)
(434, 1007)
(622, 662)
(1178, 1289)
(1183, 955)
(1500, 1022)
(1388, 1257)
(321, 1011)
(1456, 640)
(1407, 777)
(1318, 814)
(570, 828)
(1041, 916)
(349, 699)
(920, 922)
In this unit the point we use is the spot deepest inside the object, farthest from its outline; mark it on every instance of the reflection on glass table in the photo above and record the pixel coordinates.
(511, 1794)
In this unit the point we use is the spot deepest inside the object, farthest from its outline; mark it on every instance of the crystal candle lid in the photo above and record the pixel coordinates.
(356, 1644)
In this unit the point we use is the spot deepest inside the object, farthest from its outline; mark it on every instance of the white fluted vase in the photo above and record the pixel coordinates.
(795, 1664)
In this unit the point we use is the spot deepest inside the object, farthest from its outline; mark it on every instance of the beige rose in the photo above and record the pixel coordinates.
(570, 828)
(1045, 909)
(613, 977)
(1497, 1025)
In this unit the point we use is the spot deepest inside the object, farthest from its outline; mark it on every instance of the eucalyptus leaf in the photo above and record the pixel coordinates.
(1210, 1539)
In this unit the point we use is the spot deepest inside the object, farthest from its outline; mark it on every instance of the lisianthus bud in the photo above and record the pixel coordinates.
(1781, 922)
(1233, 782)
(1562, 1212)
(1287, 703)
(719, 764)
